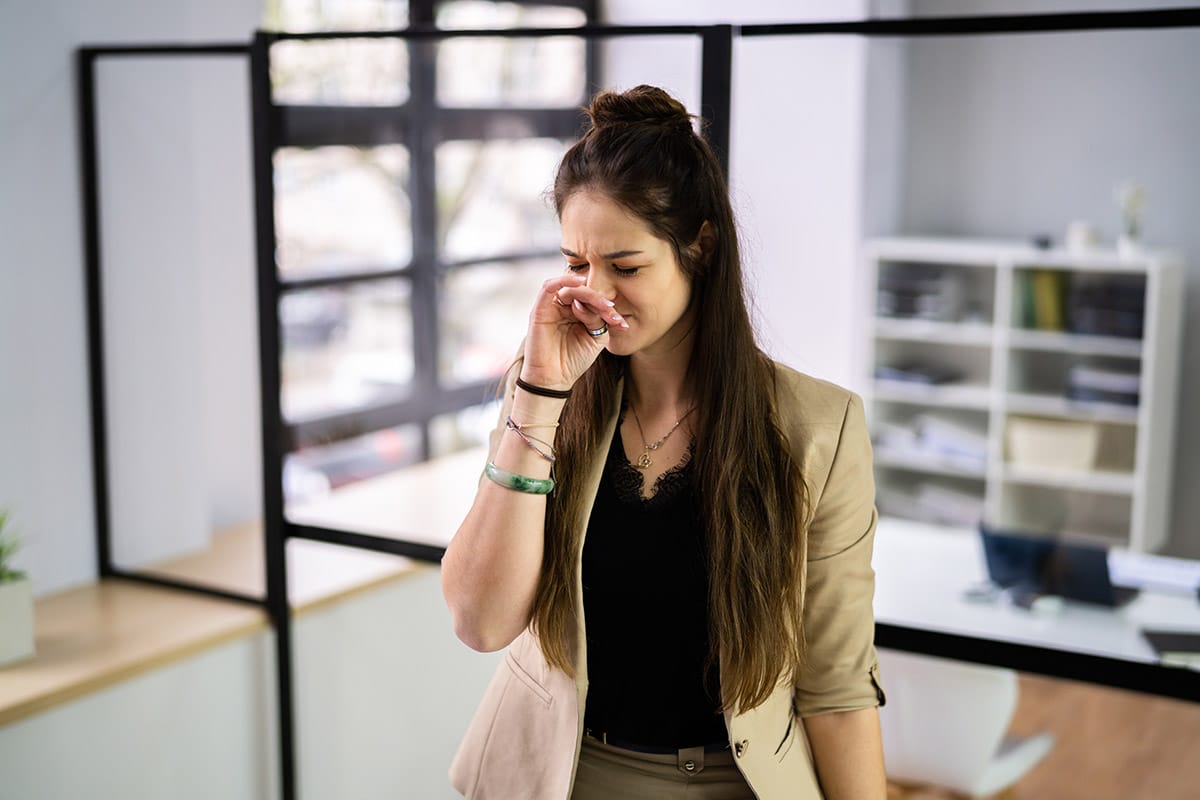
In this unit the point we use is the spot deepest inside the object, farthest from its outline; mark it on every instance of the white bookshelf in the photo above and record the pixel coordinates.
(1008, 370)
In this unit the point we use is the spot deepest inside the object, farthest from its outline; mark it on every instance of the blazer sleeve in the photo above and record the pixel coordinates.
(841, 672)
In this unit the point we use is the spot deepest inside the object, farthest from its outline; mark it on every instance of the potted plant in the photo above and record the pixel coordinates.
(16, 599)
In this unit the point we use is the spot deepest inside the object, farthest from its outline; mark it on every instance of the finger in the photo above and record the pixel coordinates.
(552, 286)
(594, 324)
(594, 318)
(588, 301)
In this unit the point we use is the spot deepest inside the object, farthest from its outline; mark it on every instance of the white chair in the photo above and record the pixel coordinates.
(945, 722)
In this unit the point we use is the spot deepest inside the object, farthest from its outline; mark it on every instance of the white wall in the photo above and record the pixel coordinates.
(45, 458)
(1017, 135)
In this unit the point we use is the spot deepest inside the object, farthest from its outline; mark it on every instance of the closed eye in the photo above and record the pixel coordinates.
(624, 271)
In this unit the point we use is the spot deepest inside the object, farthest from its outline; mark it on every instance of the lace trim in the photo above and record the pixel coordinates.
(628, 480)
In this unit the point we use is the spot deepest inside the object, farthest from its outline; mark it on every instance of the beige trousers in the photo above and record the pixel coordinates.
(610, 773)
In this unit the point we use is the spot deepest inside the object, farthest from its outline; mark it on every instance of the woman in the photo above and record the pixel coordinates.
(709, 513)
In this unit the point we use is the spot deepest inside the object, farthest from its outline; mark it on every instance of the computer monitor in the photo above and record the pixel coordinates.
(1046, 565)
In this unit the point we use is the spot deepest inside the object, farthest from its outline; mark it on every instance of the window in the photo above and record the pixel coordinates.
(412, 220)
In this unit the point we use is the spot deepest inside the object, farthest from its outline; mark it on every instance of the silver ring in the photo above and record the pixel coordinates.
(595, 334)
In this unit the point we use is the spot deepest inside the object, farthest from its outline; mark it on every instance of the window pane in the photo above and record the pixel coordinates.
(345, 347)
(339, 208)
(492, 197)
(463, 429)
(370, 72)
(313, 471)
(484, 315)
(510, 72)
(303, 16)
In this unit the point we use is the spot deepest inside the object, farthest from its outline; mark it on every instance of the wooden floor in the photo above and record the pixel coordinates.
(1109, 745)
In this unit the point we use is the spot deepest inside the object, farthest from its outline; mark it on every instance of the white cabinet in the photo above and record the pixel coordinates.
(1032, 388)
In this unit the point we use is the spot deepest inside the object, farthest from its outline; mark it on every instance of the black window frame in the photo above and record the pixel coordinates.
(421, 124)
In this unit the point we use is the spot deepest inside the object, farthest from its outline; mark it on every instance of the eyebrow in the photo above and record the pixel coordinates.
(605, 256)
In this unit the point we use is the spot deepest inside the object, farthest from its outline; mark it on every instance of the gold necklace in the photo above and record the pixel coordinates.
(644, 461)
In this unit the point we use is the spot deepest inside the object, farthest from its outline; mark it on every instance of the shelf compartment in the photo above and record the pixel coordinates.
(1074, 343)
(1039, 372)
(922, 290)
(1081, 447)
(1078, 301)
(948, 442)
(924, 330)
(931, 368)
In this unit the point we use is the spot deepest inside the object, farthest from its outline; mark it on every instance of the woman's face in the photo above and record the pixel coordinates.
(626, 263)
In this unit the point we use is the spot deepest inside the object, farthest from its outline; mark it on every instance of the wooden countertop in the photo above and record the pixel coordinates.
(94, 636)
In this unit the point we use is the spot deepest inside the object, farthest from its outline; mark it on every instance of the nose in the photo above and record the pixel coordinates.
(599, 281)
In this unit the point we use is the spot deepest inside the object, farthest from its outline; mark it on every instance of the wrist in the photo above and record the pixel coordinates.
(534, 410)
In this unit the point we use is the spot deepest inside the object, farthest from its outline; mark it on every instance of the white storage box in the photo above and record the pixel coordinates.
(1052, 444)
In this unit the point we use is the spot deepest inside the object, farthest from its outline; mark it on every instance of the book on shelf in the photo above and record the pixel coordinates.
(938, 434)
(1109, 305)
(1048, 287)
(1099, 385)
(919, 291)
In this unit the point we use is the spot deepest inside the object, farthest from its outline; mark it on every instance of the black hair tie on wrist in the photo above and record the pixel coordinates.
(559, 394)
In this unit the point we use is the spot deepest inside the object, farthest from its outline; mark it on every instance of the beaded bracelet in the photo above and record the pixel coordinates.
(518, 483)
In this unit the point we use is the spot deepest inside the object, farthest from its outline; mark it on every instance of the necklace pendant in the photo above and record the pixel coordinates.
(644, 461)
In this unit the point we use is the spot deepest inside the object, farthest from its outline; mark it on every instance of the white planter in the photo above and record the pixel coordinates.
(1128, 246)
(16, 621)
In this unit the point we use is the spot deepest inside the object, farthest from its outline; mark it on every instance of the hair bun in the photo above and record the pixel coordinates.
(642, 105)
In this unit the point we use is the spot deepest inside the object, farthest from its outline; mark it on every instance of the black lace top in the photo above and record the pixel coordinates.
(645, 597)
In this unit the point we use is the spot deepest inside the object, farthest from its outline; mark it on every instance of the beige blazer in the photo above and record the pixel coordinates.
(523, 743)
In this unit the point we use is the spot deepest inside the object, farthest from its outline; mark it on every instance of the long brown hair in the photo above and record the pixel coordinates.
(641, 151)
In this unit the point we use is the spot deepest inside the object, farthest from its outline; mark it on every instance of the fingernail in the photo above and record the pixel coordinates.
(617, 318)
(609, 303)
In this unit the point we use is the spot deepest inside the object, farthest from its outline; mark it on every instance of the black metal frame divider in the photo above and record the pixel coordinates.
(716, 88)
